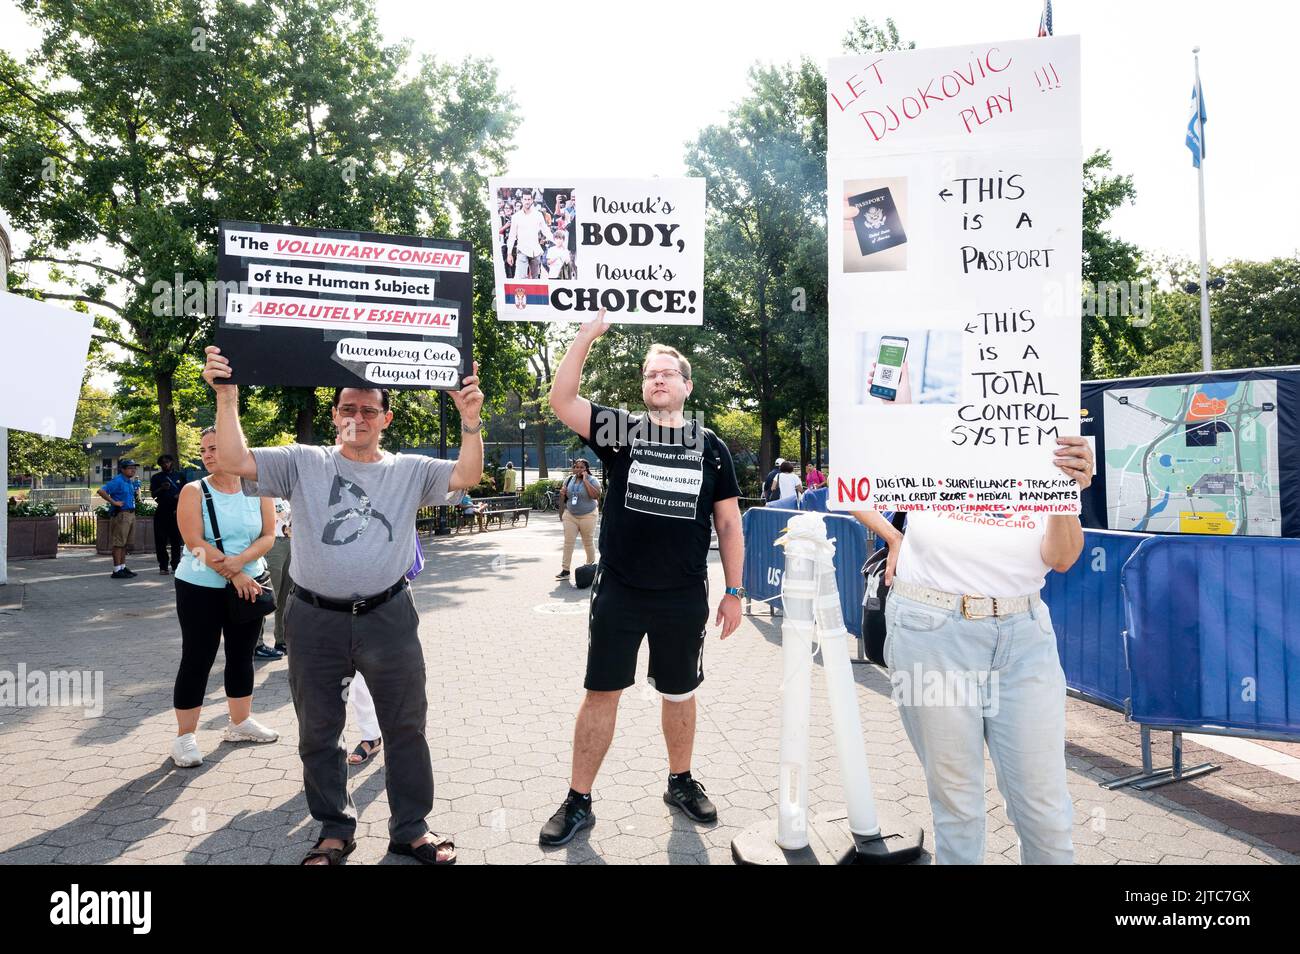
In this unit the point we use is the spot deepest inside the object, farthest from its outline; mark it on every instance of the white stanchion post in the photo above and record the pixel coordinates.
(5, 255)
(811, 602)
(797, 592)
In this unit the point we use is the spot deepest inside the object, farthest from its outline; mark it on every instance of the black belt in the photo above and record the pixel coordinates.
(355, 607)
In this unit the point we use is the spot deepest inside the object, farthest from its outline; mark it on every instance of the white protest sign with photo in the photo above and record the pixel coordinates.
(42, 363)
(955, 251)
(565, 248)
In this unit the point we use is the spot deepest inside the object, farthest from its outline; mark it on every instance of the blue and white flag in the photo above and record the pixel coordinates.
(1196, 124)
(1045, 21)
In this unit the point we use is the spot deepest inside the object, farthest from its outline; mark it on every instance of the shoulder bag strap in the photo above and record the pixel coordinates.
(212, 516)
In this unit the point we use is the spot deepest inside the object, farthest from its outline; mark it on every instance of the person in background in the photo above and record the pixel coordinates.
(203, 607)
(277, 561)
(510, 480)
(165, 488)
(121, 492)
(578, 513)
(769, 491)
(474, 512)
(814, 478)
(788, 485)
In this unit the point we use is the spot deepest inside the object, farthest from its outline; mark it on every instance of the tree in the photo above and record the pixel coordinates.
(765, 269)
(40, 456)
(1111, 343)
(1254, 317)
(139, 124)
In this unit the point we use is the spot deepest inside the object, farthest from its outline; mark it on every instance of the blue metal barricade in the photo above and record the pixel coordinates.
(1087, 608)
(1214, 634)
(765, 561)
(815, 500)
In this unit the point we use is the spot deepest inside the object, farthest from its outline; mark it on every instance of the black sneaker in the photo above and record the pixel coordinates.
(129, 573)
(688, 795)
(163, 571)
(562, 575)
(263, 651)
(570, 818)
(282, 649)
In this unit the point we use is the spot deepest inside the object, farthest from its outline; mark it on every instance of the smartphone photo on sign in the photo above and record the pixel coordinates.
(889, 367)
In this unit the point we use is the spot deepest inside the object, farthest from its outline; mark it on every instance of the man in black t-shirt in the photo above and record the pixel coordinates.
(670, 482)
(165, 487)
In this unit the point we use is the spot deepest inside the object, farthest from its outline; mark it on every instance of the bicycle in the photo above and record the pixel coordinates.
(550, 500)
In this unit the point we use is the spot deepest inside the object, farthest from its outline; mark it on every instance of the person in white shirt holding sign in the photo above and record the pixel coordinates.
(973, 661)
(527, 226)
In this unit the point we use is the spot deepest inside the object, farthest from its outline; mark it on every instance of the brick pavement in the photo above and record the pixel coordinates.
(505, 647)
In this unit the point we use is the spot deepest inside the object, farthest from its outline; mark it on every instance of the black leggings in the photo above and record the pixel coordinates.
(202, 612)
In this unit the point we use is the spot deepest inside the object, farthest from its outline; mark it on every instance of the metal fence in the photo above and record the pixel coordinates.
(77, 529)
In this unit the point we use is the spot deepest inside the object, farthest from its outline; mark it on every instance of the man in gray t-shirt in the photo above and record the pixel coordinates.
(350, 610)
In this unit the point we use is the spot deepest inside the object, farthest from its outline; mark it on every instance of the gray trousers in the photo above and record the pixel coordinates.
(326, 648)
(277, 562)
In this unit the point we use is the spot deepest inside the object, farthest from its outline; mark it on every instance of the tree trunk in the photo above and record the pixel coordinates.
(306, 418)
(542, 473)
(166, 413)
(769, 443)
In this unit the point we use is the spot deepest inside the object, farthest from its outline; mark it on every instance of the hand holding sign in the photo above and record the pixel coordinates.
(592, 329)
(1074, 457)
(217, 368)
(469, 399)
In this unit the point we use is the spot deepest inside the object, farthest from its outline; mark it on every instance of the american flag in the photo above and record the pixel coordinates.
(1045, 21)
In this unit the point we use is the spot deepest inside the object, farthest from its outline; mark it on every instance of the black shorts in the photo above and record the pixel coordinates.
(621, 615)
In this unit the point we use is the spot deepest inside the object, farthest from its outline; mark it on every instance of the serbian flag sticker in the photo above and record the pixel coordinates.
(524, 294)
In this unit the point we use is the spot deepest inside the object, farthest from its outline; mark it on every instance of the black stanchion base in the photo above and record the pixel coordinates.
(831, 843)
(442, 532)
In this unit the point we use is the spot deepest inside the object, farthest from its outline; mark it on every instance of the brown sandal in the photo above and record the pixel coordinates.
(333, 856)
(427, 852)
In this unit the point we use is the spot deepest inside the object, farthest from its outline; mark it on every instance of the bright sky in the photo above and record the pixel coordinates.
(617, 90)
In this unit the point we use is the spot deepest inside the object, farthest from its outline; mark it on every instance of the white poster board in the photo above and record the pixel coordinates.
(42, 361)
(955, 244)
(565, 247)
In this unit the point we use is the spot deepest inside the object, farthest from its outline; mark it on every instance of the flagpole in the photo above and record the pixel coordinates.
(1207, 360)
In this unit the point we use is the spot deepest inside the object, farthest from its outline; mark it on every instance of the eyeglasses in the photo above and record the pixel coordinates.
(666, 375)
(350, 410)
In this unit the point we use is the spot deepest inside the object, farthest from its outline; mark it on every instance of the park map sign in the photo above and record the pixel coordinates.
(955, 249)
(321, 307)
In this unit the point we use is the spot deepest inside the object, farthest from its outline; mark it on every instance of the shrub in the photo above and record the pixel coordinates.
(532, 494)
(24, 508)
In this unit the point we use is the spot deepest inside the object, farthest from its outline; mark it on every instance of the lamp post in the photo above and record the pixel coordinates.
(522, 425)
(89, 447)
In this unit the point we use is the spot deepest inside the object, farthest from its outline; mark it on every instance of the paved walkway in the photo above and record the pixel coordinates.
(505, 646)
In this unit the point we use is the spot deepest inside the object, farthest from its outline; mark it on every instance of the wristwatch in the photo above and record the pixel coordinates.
(736, 591)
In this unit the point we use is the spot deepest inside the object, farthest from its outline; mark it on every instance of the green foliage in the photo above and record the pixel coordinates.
(42, 456)
(23, 508)
(531, 496)
(136, 127)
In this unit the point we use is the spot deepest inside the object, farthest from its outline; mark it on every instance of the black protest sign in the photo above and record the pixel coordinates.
(323, 307)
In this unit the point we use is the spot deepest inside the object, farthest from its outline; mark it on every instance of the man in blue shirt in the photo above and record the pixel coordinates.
(120, 493)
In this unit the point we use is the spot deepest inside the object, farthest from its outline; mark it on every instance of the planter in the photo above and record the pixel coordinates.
(141, 537)
(33, 538)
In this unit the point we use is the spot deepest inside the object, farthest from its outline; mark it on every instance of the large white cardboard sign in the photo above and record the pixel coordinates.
(565, 248)
(42, 361)
(955, 211)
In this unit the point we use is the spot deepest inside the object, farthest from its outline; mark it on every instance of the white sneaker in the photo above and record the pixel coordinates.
(250, 730)
(185, 751)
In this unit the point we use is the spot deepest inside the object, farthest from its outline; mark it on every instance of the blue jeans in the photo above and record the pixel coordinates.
(962, 683)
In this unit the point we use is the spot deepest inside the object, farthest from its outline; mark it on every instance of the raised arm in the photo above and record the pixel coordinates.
(570, 406)
(469, 462)
(232, 450)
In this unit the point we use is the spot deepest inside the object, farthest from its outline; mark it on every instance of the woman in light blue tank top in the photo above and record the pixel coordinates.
(203, 580)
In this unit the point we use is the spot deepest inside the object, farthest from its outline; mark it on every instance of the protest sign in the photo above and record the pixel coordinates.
(955, 248)
(565, 248)
(320, 307)
(41, 365)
